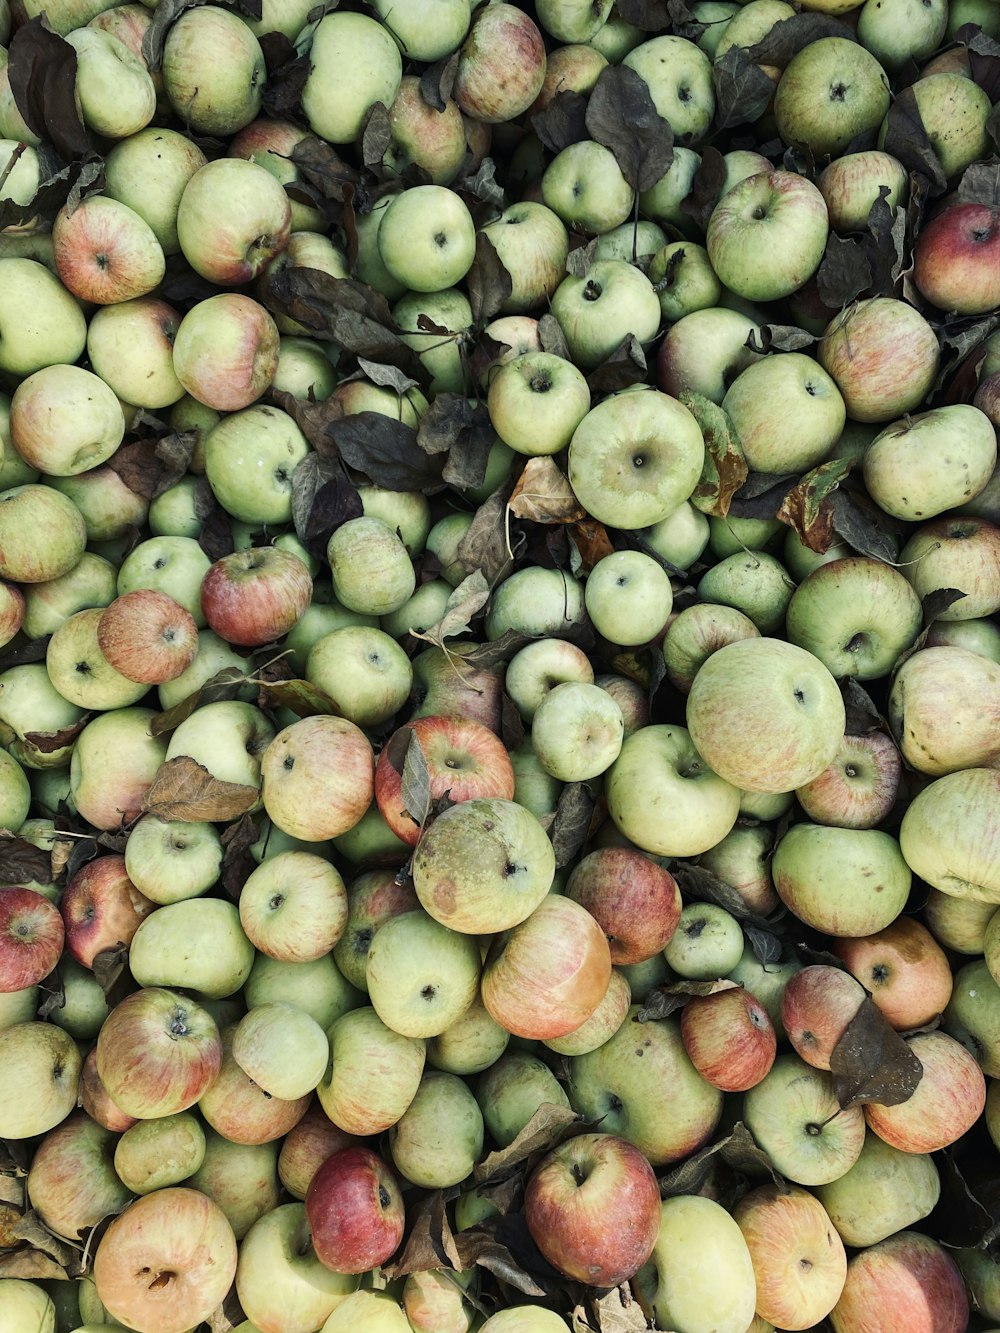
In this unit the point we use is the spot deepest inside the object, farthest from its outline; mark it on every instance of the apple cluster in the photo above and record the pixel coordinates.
(499, 666)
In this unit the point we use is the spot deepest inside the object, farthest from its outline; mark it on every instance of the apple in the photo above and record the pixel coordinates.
(471, 691)
(282, 1048)
(883, 1192)
(232, 219)
(256, 595)
(593, 1208)
(799, 1261)
(584, 187)
(306, 1147)
(367, 1311)
(831, 91)
(954, 111)
(946, 850)
(817, 1005)
(920, 443)
(577, 731)
(42, 1065)
(895, 32)
(531, 243)
(113, 88)
(906, 1277)
(240, 1111)
(372, 572)
(883, 355)
(825, 875)
(148, 172)
(104, 252)
(704, 352)
(426, 238)
(729, 1038)
(464, 759)
(598, 310)
(701, 1274)
(973, 1016)
(511, 1090)
(501, 65)
(473, 1042)
(293, 907)
(960, 553)
(698, 631)
(539, 666)
(95, 1099)
(859, 788)
(130, 346)
(796, 1119)
(336, 107)
(241, 1178)
(536, 401)
(373, 1075)
(152, 1154)
(851, 183)
(48, 325)
(602, 1024)
(355, 1211)
(31, 938)
(421, 976)
(101, 908)
(635, 900)
(197, 944)
(29, 1306)
(167, 1262)
(146, 636)
(439, 1137)
(72, 1184)
(373, 897)
(170, 860)
(947, 1101)
(769, 396)
(226, 350)
(957, 923)
(784, 689)
(635, 457)
(929, 709)
(751, 581)
(213, 71)
(113, 765)
(628, 597)
(766, 237)
(954, 267)
(317, 777)
(905, 970)
(271, 144)
(42, 534)
(281, 1284)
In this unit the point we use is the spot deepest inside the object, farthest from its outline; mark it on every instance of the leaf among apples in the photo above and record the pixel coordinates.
(185, 789)
(42, 74)
(725, 469)
(39, 1247)
(225, 685)
(807, 507)
(621, 115)
(543, 494)
(430, 1243)
(563, 121)
(615, 1312)
(872, 1063)
(738, 1151)
(323, 498)
(665, 1000)
(461, 608)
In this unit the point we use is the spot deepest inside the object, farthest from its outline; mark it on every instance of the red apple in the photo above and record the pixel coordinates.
(501, 65)
(443, 686)
(956, 259)
(465, 760)
(167, 1262)
(859, 788)
(817, 1004)
(729, 1038)
(158, 1052)
(31, 938)
(101, 908)
(255, 595)
(948, 1100)
(355, 1211)
(547, 975)
(147, 636)
(987, 397)
(306, 1147)
(635, 901)
(105, 252)
(96, 1100)
(240, 1111)
(11, 611)
(905, 969)
(905, 1282)
(72, 1182)
(592, 1206)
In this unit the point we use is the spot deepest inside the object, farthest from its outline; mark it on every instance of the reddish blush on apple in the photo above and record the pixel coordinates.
(634, 900)
(355, 1211)
(31, 938)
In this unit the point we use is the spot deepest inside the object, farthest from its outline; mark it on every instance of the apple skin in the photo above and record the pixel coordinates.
(42, 534)
(226, 351)
(908, 1280)
(549, 973)
(306, 1147)
(255, 596)
(213, 72)
(796, 1119)
(859, 788)
(182, 1237)
(948, 1100)
(958, 552)
(905, 970)
(355, 1211)
(798, 1258)
(354, 62)
(372, 899)
(592, 1206)
(281, 1285)
(635, 901)
(154, 1153)
(883, 355)
(943, 707)
(842, 881)
(373, 1075)
(501, 65)
(817, 1004)
(729, 1038)
(101, 908)
(72, 1183)
(851, 184)
(813, 109)
(945, 847)
(42, 1073)
(146, 1069)
(318, 777)
(147, 636)
(883, 1192)
(956, 259)
(240, 1111)
(31, 938)
(464, 758)
(776, 214)
(95, 1099)
(105, 252)
(293, 907)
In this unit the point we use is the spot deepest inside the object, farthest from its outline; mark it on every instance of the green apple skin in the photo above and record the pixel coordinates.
(954, 112)
(598, 311)
(536, 601)
(439, 352)
(242, 1178)
(114, 88)
(886, 1190)
(27, 1306)
(788, 692)
(366, 1311)
(661, 203)
(317, 987)
(752, 25)
(421, 976)
(364, 671)
(977, 635)
(148, 171)
(972, 1016)
(787, 411)
(198, 944)
(585, 188)
(168, 861)
(282, 1048)
(795, 1117)
(645, 1087)
(279, 1280)
(427, 238)
(114, 761)
(474, 1042)
(700, 1277)
(531, 242)
(511, 1090)
(50, 326)
(684, 279)
(304, 370)
(732, 535)
(766, 237)
(84, 1007)
(707, 944)
(29, 702)
(679, 78)
(228, 738)
(154, 1154)
(577, 731)
(664, 798)
(174, 565)
(842, 881)
(921, 466)
(318, 620)
(213, 71)
(439, 1137)
(80, 671)
(423, 35)
(704, 352)
(213, 655)
(635, 457)
(628, 597)
(961, 553)
(856, 615)
(851, 184)
(947, 830)
(536, 401)
(982, 1278)
(680, 538)
(856, 95)
(371, 570)
(373, 1074)
(632, 241)
(957, 923)
(754, 583)
(940, 706)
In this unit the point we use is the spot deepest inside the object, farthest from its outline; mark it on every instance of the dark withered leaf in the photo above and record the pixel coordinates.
(185, 789)
(47, 742)
(725, 468)
(958, 338)
(42, 73)
(387, 377)
(322, 165)
(386, 451)
(216, 535)
(59, 185)
(483, 185)
(552, 338)
(862, 527)
(33, 1266)
(485, 545)
(650, 15)
(761, 495)
(461, 608)
(788, 37)
(871, 1062)
(779, 338)
(481, 1246)
(862, 715)
(376, 135)
(563, 121)
(53, 996)
(344, 311)
(580, 258)
(807, 507)
(738, 1150)
(959, 1218)
(110, 968)
(907, 139)
(548, 1127)
(430, 1243)
(301, 696)
(742, 90)
(621, 115)
(665, 1000)
(980, 184)
(571, 826)
(625, 366)
(488, 282)
(225, 684)
(323, 497)
(984, 60)
(182, 287)
(461, 429)
(705, 187)
(702, 885)
(21, 862)
(144, 470)
(512, 728)
(438, 80)
(884, 244)
(937, 602)
(844, 272)
(765, 944)
(286, 75)
(542, 494)
(33, 651)
(237, 861)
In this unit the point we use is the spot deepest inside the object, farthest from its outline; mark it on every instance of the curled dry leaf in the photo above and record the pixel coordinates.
(562, 122)
(21, 862)
(461, 608)
(430, 1243)
(665, 1000)
(571, 825)
(543, 494)
(725, 468)
(807, 507)
(871, 1062)
(185, 789)
(737, 1150)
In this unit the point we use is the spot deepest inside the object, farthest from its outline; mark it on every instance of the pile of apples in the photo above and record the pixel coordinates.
(499, 666)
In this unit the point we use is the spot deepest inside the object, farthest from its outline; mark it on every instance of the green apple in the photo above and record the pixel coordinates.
(279, 1280)
(427, 238)
(282, 1048)
(584, 186)
(787, 412)
(197, 944)
(662, 201)
(753, 582)
(705, 351)
(371, 570)
(439, 1137)
(41, 323)
(536, 601)
(796, 1119)
(473, 1042)
(364, 671)
(947, 830)
(422, 34)
(373, 1074)
(577, 731)
(421, 976)
(680, 538)
(536, 401)
(532, 244)
(114, 89)
(628, 597)
(972, 1016)
(148, 171)
(316, 986)
(707, 944)
(843, 881)
(354, 63)
(439, 352)
(597, 311)
(511, 1090)
(831, 91)
(700, 1276)
(766, 237)
(213, 71)
(923, 465)
(886, 1190)
(954, 111)
(683, 279)
(154, 1154)
(679, 78)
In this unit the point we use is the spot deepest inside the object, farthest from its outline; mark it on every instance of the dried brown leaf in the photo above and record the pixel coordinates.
(543, 494)
(184, 789)
(872, 1063)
